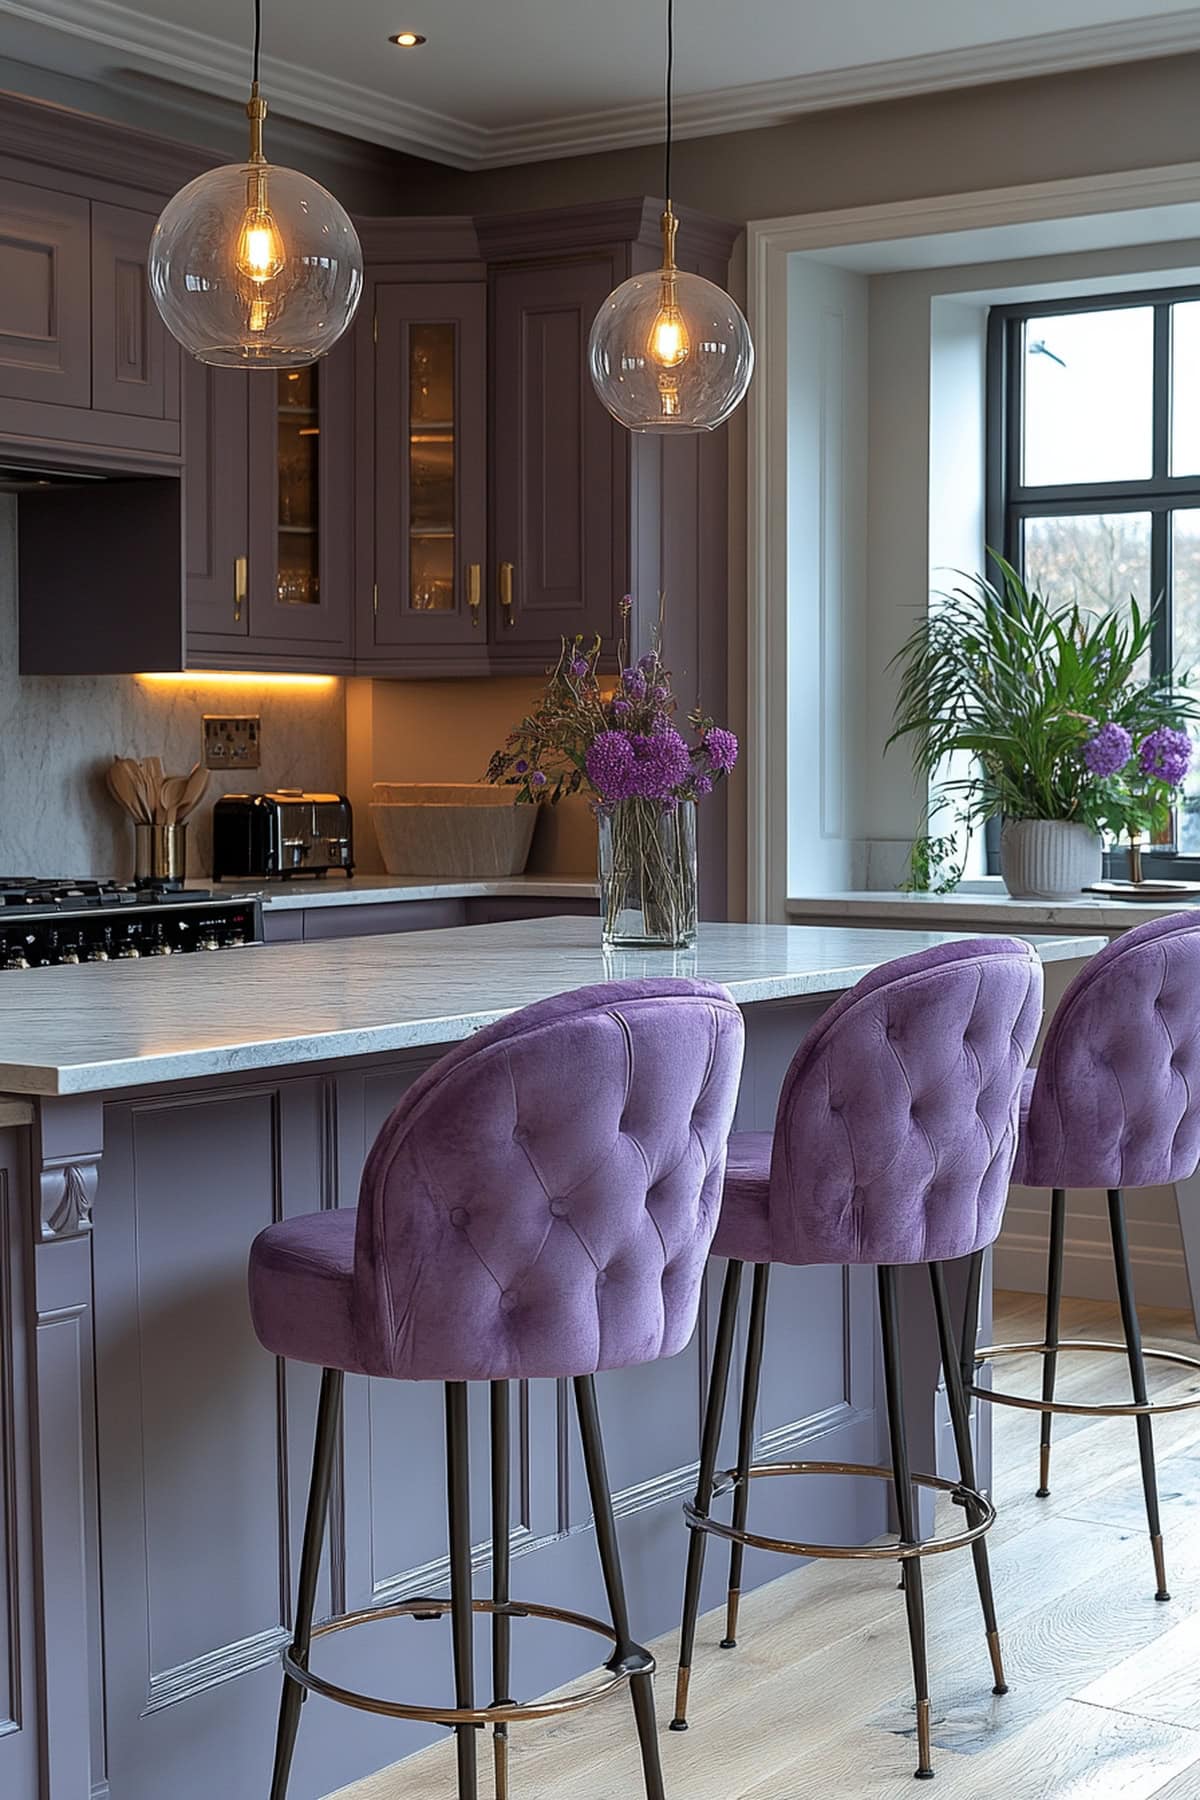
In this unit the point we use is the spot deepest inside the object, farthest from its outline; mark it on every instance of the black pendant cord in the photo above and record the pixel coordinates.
(670, 97)
(257, 38)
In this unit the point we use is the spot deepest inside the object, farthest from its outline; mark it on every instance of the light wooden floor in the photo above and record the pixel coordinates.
(1105, 1683)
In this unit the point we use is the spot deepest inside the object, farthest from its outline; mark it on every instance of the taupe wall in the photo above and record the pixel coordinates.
(1135, 116)
(57, 737)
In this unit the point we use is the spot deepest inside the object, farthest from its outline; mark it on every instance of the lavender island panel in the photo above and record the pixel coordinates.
(107, 1027)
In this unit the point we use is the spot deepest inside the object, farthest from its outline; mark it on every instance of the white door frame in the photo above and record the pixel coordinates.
(769, 244)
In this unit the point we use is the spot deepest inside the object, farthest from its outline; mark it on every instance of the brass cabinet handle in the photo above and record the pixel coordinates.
(506, 592)
(240, 581)
(474, 591)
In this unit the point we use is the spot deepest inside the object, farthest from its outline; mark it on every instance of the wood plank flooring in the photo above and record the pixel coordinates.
(816, 1703)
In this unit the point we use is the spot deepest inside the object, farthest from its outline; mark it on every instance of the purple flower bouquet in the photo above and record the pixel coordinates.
(619, 742)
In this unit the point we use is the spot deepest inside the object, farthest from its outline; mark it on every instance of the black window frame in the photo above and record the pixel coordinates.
(1009, 503)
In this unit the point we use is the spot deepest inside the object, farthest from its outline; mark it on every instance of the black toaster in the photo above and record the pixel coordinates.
(289, 832)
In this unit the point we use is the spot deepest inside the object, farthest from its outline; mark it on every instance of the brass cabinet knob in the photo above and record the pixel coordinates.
(506, 592)
(474, 591)
(241, 574)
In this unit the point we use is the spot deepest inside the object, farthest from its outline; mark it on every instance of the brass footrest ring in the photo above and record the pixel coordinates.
(880, 1552)
(1129, 1409)
(514, 1713)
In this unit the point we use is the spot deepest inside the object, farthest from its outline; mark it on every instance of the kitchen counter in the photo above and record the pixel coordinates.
(965, 911)
(178, 1107)
(110, 1026)
(375, 890)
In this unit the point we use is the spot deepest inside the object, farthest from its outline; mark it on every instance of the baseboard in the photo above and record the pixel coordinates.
(1160, 1278)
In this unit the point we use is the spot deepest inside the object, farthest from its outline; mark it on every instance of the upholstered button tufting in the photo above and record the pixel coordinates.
(559, 1208)
(459, 1217)
(508, 1301)
(601, 1278)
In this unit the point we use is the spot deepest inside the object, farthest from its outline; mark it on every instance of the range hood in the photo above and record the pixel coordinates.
(21, 478)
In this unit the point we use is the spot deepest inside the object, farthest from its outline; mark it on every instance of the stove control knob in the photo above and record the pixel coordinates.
(17, 960)
(128, 953)
(159, 949)
(208, 943)
(70, 955)
(97, 955)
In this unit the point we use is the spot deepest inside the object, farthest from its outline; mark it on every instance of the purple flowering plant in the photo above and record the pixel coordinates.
(1055, 709)
(615, 739)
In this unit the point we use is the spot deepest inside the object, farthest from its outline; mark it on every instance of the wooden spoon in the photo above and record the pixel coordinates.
(171, 793)
(195, 788)
(124, 787)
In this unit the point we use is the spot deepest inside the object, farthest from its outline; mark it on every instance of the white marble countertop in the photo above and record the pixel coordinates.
(368, 890)
(1089, 912)
(112, 1026)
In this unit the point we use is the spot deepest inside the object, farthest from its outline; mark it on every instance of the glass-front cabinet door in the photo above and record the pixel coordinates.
(430, 501)
(301, 504)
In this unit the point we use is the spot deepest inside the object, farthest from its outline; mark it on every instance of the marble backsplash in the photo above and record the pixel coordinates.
(58, 735)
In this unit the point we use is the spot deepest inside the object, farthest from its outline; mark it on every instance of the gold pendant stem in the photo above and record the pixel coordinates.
(670, 229)
(256, 112)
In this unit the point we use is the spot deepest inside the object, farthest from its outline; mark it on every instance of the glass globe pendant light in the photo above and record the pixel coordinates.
(669, 351)
(253, 266)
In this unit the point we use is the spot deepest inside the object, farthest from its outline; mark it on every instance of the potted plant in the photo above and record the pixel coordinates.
(616, 738)
(1067, 732)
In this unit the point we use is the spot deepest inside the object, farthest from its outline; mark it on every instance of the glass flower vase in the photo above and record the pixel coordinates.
(648, 874)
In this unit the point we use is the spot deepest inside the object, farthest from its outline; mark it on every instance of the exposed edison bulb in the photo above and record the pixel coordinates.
(669, 344)
(260, 254)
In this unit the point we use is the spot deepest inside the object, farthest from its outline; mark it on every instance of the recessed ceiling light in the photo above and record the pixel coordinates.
(407, 40)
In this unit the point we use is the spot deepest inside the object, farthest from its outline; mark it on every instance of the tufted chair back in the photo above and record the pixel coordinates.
(1116, 1101)
(897, 1124)
(542, 1201)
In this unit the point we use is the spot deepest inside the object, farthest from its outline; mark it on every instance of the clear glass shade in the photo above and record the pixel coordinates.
(255, 266)
(670, 352)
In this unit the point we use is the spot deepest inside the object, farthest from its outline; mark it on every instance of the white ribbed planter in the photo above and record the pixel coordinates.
(1049, 859)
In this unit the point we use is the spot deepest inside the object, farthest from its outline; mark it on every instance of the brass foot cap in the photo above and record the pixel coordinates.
(1162, 1594)
(1041, 1493)
(922, 1774)
(678, 1725)
(729, 1643)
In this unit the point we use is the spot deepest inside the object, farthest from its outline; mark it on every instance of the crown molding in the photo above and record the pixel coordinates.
(188, 59)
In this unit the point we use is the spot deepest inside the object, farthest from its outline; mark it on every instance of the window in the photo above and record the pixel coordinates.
(1094, 467)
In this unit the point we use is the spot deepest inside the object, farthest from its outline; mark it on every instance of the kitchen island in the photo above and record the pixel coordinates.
(153, 1459)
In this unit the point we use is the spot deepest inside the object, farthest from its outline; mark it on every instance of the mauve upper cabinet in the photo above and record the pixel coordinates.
(88, 375)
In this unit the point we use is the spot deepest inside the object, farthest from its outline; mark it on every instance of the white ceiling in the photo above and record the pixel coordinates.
(503, 81)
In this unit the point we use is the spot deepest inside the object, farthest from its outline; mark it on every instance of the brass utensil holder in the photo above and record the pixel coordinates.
(159, 855)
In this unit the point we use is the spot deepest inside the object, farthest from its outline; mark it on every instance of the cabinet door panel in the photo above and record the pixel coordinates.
(559, 482)
(135, 361)
(301, 505)
(215, 425)
(45, 303)
(19, 1758)
(430, 497)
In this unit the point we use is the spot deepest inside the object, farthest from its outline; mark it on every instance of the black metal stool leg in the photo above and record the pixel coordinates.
(328, 1413)
(1137, 1371)
(741, 1499)
(970, 1330)
(501, 1594)
(1054, 1284)
(710, 1443)
(627, 1654)
(458, 1489)
(960, 1419)
(914, 1596)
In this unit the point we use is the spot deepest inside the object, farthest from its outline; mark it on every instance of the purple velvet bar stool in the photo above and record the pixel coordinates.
(894, 1137)
(1114, 1103)
(540, 1204)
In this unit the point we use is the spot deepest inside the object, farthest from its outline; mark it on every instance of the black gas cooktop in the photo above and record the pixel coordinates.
(48, 922)
(52, 895)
